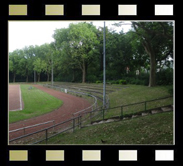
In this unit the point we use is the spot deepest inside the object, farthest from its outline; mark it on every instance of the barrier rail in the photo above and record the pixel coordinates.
(23, 128)
(82, 93)
(80, 120)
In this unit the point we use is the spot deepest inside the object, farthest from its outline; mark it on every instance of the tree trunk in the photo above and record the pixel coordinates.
(150, 51)
(48, 77)
(38, 77)
(84, 72)
(73, 76)
(14, 75)
(27, 78)
(152, 77)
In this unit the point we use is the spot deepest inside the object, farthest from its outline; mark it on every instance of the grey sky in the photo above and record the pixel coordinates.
(26, 33)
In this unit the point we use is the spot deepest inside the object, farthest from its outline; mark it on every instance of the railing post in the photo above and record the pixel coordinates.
(121, 117)
(73, 124)
(54, 125)
(46, 136)
(145, 105)
(80, 121)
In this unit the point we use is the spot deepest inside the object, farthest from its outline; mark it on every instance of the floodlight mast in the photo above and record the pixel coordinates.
(52, 71)
(53, 46)
(104, 78)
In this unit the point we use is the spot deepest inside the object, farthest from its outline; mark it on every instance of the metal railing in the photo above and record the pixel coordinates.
(47, 133)
(27, 127)
(136, 108)
(81, 120)
(93, 106)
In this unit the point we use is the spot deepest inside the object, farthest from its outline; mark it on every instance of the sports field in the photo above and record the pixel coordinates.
(36, 102)
(41, 105)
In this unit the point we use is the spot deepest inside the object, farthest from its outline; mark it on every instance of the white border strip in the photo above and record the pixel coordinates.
(164, 155)
(20, 98)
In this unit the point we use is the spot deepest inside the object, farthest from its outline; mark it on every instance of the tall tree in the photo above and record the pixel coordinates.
(157, 40)
(46, 53)
(14, 65)
(26, 62)
(65, 64)
(80, 42)
(83, 40)
(39, 66)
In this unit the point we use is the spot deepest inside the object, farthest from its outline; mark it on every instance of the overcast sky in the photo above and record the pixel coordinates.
(26, 33)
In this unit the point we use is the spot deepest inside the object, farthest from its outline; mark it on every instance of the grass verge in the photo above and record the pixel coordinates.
(152, 129)
(36, 102)
(137, 93)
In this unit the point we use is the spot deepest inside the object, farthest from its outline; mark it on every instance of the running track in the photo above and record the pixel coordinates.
(70, 105)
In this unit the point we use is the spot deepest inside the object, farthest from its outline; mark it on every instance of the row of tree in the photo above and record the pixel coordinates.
(77, 53)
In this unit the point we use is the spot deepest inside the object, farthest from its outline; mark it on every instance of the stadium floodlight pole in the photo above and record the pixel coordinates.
(52, 71)
(52, 48)
(104, 79)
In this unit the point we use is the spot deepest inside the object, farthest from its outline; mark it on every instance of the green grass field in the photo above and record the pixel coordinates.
(36, 102)
(138, 93)
(152, 129)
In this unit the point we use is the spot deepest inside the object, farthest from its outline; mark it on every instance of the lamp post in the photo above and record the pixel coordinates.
(52, 52)
(52, 70)
(104, 78)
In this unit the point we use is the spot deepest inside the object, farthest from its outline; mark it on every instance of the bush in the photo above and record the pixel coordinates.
(117, 82)
(122, 82)
(146, 82)
(98, 82)
(91, 78)
(139, 82)
(170, 90)
(165, 77)
(113, 82)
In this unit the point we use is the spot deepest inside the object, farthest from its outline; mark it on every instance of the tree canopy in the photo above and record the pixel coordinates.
(77, 53)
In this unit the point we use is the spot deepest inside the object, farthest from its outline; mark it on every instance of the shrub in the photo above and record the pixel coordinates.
(98, 82)
(122, 82)
(91, 78)
(113, 82)
(170, 90)
(138, 82)
(117, 82)
(165, 77)
(146, 82)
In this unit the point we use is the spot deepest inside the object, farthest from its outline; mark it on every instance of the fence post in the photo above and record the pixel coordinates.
(46, 136)
(54, 125)
(145, 105)
(80, 121)
(73, 124)
(121, 117)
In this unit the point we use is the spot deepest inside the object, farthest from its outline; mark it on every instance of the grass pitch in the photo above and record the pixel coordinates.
(36, 102)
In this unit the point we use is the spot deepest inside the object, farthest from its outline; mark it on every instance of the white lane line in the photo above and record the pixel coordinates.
(20, 98)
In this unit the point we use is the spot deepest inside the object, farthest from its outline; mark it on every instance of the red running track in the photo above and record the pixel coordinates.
(71, 104)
